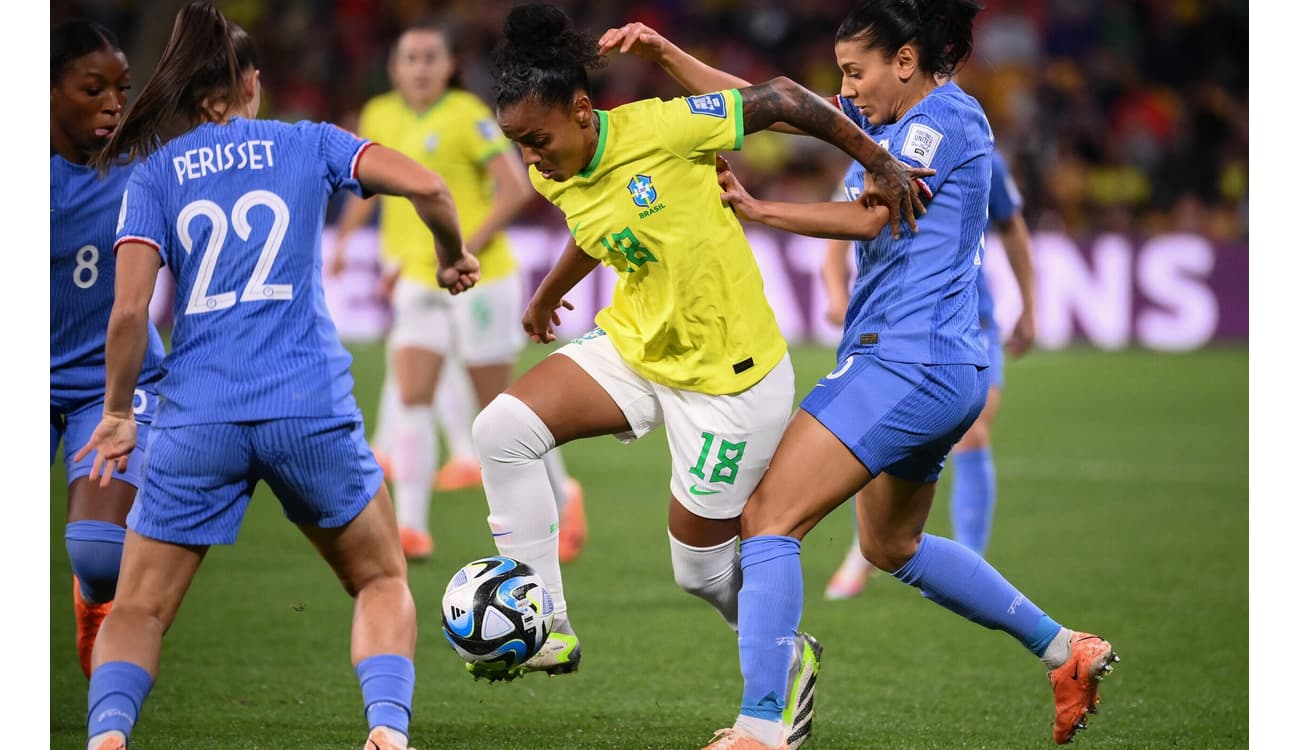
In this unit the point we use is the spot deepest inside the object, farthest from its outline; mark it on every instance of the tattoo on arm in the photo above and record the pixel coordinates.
(783, 100)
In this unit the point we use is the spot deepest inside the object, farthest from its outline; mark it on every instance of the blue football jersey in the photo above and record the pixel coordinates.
(915, 298)
(1004, 202)
(84, 210)
(236, 211)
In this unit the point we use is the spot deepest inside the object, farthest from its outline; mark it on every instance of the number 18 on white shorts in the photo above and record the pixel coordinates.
(720, 445)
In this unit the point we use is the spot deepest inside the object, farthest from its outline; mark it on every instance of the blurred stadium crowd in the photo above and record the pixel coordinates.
(1116, 115)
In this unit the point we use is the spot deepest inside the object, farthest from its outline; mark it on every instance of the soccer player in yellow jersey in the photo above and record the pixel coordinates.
(688, 341)
(431, 118)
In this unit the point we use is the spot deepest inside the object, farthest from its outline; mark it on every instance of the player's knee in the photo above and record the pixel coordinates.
(889, 553)
(702, 571)
(508, 431)
(765, 515)
(95, 550)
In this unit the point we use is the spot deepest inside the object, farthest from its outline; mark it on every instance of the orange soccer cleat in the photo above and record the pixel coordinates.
(89, 618)
(734, 739)
(459, 474)
(416, 544)
(1075, 684)
(107, 741)
(573, 524)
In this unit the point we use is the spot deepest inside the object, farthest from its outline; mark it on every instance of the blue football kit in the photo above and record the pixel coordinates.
(84, 211)
(257, 384)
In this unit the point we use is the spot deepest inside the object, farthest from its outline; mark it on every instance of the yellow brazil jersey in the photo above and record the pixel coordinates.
(455, 138)
(688, 309)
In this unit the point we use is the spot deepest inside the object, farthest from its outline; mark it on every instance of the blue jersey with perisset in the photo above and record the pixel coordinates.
(84, 210)
(915, 298)
(1004, 202)
(236, 211)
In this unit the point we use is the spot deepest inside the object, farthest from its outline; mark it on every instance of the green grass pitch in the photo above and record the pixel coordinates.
(1122, 509)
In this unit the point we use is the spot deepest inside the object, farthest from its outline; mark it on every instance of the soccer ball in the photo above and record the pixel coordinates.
(496, 612)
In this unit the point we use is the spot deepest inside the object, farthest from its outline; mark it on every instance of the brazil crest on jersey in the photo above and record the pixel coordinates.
(915, 298)
(236, 211)
(84, 211)
(688, 309)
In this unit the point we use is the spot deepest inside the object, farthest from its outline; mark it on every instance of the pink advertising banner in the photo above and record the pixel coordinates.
(1170, 292)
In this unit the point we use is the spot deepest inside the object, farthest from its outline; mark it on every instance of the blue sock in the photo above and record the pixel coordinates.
(387, 688)
(771, 601)
(117, 691)
(974, 496)
(95, 549)
(960, 580)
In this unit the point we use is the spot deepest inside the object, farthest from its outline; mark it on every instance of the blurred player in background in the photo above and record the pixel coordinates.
(257, 385)
(973, 476)
(913, 372)
(89, 79)
(688, 342)
(430, 117)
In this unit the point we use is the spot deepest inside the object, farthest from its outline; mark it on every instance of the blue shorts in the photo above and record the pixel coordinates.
(75, 428)
(993, 345)
(899, 417)
(201, 477)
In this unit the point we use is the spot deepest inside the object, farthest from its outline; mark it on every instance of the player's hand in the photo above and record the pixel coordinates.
(637, 39)
(459, 276)
(899, 188)
(113, 439)
(734, 194)
(1023, 335)
(540, 319)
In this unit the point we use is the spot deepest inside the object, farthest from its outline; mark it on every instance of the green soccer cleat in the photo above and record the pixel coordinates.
(798, 715)
(560, 654)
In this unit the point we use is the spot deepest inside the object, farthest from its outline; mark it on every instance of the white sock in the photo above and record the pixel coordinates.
(765, 731)
(93, 742)
(1058, 650)
(456, 404)
(511, 440)
(415, 444)
(559, 478)
(390, 403)
(711, 573)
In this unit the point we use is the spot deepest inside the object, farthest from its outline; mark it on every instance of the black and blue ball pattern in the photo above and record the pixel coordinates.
(497, 612)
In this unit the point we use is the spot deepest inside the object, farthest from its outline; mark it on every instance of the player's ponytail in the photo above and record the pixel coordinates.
(73, 39)
(542, 57)
(197, 79)
(943, 30)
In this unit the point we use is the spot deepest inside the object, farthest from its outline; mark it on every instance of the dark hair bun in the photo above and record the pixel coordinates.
(535, 25)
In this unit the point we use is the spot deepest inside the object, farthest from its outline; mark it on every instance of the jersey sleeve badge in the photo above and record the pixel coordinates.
(712, 105)
(921, 143)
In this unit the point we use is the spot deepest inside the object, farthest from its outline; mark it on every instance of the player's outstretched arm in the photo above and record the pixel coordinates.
(893, 183)
(124, 350)
(644, 42)
(542, 314)
(383, 170)
(834, 220)
(1015, 240)
(693, 74)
